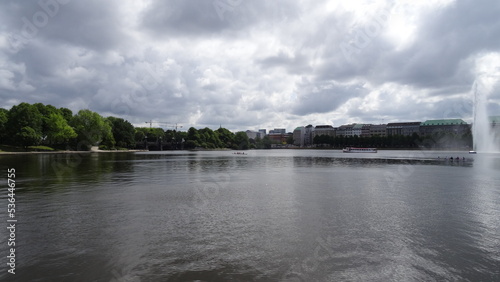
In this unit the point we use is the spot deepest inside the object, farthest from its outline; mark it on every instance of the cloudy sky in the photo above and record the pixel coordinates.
(253, 64)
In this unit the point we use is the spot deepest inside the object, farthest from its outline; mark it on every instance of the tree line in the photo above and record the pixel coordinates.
(38, 124)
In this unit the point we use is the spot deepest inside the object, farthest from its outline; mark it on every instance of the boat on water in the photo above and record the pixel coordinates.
(472, 152)
(359, 150)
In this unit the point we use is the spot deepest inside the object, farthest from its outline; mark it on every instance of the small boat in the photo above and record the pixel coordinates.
(472, 152)
(359, 150)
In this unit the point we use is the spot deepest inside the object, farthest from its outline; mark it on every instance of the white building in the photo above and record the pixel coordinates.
(298, 136)
(345, 130)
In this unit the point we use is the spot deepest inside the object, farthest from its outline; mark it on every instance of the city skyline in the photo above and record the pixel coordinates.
(252, 65)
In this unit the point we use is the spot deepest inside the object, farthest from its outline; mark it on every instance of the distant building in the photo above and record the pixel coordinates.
(365, 130)
(324, 130)
(263, 132)
(361, 130)
(457, 126)
(298, 136)
(345, 130)
(378, 130)
(277, 131)
(275, 137)
(252, 134)
(356, 129)
(308, 135)
(279, 138)
(403, 128)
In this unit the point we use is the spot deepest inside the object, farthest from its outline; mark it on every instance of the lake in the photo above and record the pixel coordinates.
(265, 215)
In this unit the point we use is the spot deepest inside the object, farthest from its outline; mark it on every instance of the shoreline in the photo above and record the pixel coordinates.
(138, 150)
(71, 152)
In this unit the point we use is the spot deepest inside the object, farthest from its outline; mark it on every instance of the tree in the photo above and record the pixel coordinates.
(266, 142)
(27, 136)
(21, 116)
(66, 113)
(91, 129)
(58, 129)
(226, 137)
(45, 111)
(241, 140)
(140, 135)
(108, 140)
(146, 134)
(3, 122)
(193, 138)
(123, 132)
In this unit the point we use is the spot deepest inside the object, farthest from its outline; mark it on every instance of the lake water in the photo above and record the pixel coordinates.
(268, 215)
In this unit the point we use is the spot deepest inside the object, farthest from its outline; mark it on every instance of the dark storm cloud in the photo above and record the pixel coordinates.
(91, 24)
(206, 18)
(182, 17)
(324, 98)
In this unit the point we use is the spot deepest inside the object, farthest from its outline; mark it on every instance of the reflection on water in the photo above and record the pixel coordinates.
(278, 215)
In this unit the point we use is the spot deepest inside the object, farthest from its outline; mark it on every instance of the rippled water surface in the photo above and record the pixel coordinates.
(270, 215)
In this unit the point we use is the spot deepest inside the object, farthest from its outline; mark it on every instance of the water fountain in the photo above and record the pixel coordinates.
(483, 138)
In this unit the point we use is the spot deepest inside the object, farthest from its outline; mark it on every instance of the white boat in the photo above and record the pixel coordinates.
(359, 150)
(472, 152)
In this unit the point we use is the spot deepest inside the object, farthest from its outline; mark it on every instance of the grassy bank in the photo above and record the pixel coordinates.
(6, 149)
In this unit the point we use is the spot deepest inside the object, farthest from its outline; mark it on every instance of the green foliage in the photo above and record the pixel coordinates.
(108, 139)
(29, 125)
(91, 129)
(47, 125)
(193, 134)
(191, 144)
(152, 136)
(241, 141)
(27, 136)
(40, 148)
(21, 116)
(3, 125)
(173, 139)
(58, 129)
(123, 132)
(210, 139)
(66, 113)
(46, 111)
(226, 137)
(261, 143)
